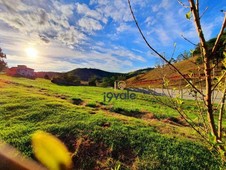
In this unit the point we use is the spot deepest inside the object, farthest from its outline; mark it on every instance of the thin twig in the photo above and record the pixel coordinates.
(221, 113)
(203, 12)
(201, 110)
(193, 127)
(219, 36)
(188, 40)
(184, 117)
(174, 49)
(215, 86)
(182, 4)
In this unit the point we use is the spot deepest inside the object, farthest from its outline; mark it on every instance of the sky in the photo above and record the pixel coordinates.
(61, 35)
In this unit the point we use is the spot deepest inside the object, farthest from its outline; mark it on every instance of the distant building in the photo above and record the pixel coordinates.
(21, 71)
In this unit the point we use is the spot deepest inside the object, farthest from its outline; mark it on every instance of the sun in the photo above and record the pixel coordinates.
(31, 52)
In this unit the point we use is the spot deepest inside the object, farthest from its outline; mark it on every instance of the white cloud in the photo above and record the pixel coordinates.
(164, 4)
(87, 12)
(50, 22)
(118, 10)
(66, 10)
(123, 53)
(71, 36)
(163, 36)
(57, 57)
(149, 21)
(89, 24)
(119, 52)
(124, 27)
(208, 26)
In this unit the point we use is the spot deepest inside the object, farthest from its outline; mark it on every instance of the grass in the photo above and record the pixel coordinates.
(115, 133)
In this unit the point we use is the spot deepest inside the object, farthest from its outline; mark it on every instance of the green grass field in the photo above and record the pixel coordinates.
(132, 134)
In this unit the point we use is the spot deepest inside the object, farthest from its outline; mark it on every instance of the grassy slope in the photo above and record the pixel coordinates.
(186, 67)
(166, 71)
(140, 140)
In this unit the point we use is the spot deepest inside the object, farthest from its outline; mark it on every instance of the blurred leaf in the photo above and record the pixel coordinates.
(50, 151)
(222, 153)
(224, 61)
(188, 15)
(166, 82)
(192, 51)
(179, 101)
(212, 139)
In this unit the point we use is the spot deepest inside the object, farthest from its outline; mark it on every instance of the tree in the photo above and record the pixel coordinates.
(183, 56)
(108, 81)
(3, 64)
(212, 131)
(46, 77)
(68, 79)
(93, 81)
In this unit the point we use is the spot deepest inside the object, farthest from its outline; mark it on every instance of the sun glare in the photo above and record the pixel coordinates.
(31, 52)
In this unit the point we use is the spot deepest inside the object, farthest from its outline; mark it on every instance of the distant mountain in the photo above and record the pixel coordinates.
(92, 76)
(85, 74)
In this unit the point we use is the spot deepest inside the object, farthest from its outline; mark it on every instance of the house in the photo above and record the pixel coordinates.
(21, 71)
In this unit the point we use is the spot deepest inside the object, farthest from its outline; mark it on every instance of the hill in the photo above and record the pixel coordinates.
(85, 74)
(157, 76)
(137, 72)
(125, 134)
(91, 76)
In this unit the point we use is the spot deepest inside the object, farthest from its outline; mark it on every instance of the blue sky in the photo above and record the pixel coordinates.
(69, 34)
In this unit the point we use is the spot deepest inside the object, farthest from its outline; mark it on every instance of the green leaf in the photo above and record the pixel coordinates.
(188, 15)
(212, 139)
(179, 101)
(192, 51)
(224, 54)
(50, 151)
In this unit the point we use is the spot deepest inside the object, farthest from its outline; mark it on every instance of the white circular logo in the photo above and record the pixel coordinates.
(121, 85)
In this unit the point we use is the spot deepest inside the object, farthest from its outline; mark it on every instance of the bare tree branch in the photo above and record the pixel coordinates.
(197, 4)
(204, 12)
(184, 116)
(182, 4)
(195, 12)
(10, 158)
(162, 57)
(221, 113)
(174, 49)
(188, 40)
(219, 36)
(221, 78)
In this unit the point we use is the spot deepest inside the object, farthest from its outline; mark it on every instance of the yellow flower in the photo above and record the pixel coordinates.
(50, 151)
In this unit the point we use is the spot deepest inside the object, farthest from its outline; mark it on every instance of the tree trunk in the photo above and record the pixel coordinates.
(207, 68)
(208, 97)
